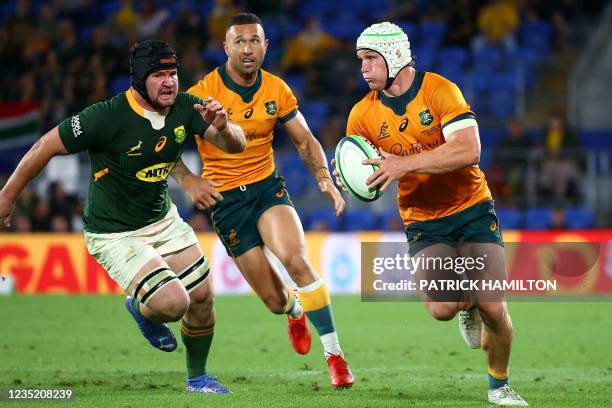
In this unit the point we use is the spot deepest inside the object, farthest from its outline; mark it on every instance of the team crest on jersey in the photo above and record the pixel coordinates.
(271, 107)
(426, 117)
(133, 151)
(180, 134)
(384, 133)
(233, 238)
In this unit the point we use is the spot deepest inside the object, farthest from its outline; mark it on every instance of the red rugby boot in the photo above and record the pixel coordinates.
(339, 372)
(299, 334)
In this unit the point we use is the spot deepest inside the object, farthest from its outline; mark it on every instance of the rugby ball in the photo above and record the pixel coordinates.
(350, 152)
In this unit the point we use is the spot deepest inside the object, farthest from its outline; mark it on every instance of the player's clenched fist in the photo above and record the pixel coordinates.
(213, 112)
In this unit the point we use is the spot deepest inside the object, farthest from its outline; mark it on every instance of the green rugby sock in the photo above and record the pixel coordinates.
(197, 341)
(497, 379)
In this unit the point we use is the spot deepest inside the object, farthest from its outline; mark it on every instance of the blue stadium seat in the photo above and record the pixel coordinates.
(509, 218)
(524, 59)
(315, 113)
(322, 219)
(538, 218)
(452, 57)
(484, 78)
(503, 103)
(357, 220)
(274, 30)
(424, 58)
(6, 9)
(453, 73)
(296, 174)
(109, 8)
(119, 84)
(296, 82)
(536, 35)
(488, 57)
(346, 26)
(579, 218)
(431, 33)
(411, 31)
(214, 57)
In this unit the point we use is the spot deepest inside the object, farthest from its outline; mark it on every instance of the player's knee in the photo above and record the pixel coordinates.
(493, 313)
(177, 309)
(442, 310)
(201, 299)
(296, 264)
(173, 304)
(276, 302)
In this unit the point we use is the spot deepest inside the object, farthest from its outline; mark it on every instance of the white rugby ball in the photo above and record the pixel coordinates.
(350, 152)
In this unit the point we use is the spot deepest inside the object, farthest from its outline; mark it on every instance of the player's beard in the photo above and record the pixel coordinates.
(248, 72)
(162, 106)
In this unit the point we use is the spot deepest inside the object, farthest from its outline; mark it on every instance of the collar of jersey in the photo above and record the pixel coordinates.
(398, 103)
(246, 92)
(157, 120)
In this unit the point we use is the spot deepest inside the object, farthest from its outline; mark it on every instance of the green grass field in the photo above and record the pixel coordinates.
(562, 356)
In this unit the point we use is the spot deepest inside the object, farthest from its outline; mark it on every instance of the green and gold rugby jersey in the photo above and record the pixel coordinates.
(131, 152)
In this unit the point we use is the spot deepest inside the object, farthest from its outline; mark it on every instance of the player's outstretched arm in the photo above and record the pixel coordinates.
(223, 133)
(201, 191)
(312, 154)
(30, 165)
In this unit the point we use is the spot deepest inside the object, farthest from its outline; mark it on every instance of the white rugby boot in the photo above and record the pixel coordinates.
(506, 397)
(470, 326)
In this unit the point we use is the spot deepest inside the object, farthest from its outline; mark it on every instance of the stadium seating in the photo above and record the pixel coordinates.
(509, 218)
(536, 35)
(357, 220)
(579, 218)
(120, 84)
(322, 220)
(538, 218)
(296, 174)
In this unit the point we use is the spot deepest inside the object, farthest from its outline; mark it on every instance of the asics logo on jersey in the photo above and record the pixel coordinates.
(75, 123)
(403, 125)
(157, 172)
(132, 151)
(248, 114)
(384, 133)
(161, 143)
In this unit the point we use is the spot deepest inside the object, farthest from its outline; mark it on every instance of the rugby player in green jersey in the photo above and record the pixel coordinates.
(132, 228)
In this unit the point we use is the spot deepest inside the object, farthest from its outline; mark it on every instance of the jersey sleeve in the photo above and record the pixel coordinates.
(197, 124)
(89, 129)
(288, 106)
(448, 103)
(355, 125)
